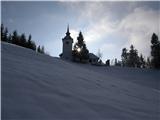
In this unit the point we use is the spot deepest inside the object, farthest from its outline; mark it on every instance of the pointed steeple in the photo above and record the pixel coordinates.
(68, 33)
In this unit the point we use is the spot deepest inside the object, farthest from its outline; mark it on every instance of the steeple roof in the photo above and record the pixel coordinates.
(68, 37)
(68, 33)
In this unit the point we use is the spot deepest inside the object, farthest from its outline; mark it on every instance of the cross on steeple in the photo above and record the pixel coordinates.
(68, 33)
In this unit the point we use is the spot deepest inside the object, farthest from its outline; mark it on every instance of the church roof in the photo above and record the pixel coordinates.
(93, 56)
(68, 35)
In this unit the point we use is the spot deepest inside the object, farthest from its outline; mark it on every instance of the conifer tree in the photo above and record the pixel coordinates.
(10, 38)
(148, 62)
(142, 61)
(133, 58)
(85, 52)
(39, 49)
(42, 50)
(23, 42)
(115, 61)
(80, 50)
(29, 42)
(155, 51)
(15, 38)
(5, 35)
(33, 45)
(124, 57)
(80, 39)
(2, 32)
(108, 62)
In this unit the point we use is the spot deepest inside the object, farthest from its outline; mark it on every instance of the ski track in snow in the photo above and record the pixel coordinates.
(36, 86)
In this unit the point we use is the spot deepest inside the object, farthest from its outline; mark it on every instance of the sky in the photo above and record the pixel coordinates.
(107, 26)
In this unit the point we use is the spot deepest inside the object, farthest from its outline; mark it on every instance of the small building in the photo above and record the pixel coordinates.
(93, 59)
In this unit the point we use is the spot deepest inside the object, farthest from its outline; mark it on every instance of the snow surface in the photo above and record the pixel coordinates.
(40, 87)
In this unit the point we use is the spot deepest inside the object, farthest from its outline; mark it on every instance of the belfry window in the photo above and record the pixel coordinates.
(67, 42)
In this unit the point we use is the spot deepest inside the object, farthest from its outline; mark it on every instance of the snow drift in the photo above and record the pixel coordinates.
(36, 86)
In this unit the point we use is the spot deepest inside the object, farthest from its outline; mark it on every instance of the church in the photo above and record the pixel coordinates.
(67, 46)
(66, 54)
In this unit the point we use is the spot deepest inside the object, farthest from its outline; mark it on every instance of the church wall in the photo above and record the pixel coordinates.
(67, 49)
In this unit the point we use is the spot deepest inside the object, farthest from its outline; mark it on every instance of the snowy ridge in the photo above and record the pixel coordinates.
(36, 86)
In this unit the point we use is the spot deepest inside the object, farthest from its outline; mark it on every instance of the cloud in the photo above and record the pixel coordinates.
(111, 26)
(10, 20)
(74, 34)
(99, 30)
(110, 48)
(138, 27)
(135, 27)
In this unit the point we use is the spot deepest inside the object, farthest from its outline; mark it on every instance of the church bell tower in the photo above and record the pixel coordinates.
(67, 46)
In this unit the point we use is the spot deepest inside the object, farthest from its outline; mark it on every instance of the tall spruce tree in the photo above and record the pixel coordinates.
(148, 64)
(124, 57)
(155, 51)
(85, 52)
(39, 49)
(80, 50)
(33, 47)
(10, 38)
(133, 60)
(29, 42)
(142, 61)
(23, 41)
(2, 32)
(5, 35)
(15, 38)
(42, 50)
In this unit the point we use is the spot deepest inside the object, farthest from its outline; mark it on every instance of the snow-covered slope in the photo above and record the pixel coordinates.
(36, 86)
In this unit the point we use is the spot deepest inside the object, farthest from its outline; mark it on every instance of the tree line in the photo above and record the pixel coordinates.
(20, 40)
(130, 58)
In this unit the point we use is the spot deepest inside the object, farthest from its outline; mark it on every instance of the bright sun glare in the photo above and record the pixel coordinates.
(78, 49)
